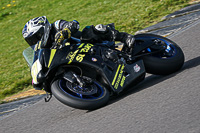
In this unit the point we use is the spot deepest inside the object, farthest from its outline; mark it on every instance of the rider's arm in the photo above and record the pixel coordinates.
(65, 30)
(73, 26)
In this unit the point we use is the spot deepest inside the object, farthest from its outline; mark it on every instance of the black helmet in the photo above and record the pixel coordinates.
(37, 29)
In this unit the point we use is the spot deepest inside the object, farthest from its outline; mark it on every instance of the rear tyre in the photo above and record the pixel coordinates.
(160, 64)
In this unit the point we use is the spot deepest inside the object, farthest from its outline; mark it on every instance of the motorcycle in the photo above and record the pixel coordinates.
(84, 75)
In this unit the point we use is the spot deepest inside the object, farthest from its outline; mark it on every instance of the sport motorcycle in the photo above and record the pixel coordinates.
(84, 75)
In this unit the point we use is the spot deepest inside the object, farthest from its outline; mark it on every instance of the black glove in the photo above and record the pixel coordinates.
(61, 35)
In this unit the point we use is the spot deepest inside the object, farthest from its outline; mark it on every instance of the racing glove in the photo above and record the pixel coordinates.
(62, 35)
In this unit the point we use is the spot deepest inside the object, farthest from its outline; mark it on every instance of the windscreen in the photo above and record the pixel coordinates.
(28, 54)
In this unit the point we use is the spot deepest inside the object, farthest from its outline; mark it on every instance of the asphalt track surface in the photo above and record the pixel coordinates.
(160, 104)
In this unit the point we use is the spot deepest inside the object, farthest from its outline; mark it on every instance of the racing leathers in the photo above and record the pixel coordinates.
(62, 29)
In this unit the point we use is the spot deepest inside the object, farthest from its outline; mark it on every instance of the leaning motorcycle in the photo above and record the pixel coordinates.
(84, 75)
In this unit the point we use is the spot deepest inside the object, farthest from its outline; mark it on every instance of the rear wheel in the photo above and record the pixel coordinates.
(165, 62)
(90, 97)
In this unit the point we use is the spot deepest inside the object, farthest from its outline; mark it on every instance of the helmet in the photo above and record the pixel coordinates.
(37, 29)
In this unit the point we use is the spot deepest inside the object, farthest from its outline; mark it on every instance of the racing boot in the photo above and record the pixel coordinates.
(129, 43)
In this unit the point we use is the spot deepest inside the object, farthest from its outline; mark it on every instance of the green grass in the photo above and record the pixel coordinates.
(128, 16)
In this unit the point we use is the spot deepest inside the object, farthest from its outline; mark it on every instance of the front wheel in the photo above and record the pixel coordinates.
(165, 62)
(90, 97)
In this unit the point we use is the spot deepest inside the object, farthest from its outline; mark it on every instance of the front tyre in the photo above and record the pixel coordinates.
(62, 91)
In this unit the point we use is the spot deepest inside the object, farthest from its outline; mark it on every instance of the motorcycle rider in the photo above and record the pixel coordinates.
(39, 31)
(52, 35)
